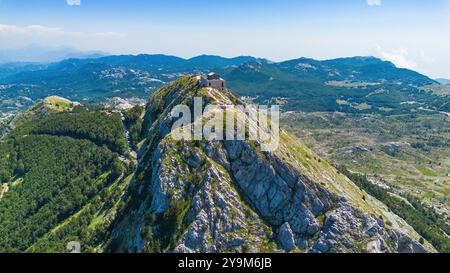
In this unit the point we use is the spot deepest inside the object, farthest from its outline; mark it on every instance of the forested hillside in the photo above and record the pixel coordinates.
(99, 127)
(62, 172)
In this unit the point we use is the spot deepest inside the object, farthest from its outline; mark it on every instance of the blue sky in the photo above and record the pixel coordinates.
(411, 33)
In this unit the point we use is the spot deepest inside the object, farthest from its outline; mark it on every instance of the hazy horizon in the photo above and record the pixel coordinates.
(411, 34)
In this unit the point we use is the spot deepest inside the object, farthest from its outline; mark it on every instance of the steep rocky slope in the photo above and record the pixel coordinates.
(230, 196)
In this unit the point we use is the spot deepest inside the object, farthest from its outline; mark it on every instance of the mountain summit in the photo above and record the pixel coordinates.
(230, 196)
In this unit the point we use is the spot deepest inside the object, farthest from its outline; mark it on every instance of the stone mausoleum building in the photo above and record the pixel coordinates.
(213, 80)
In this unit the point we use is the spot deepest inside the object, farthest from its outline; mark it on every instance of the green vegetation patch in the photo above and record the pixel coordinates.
(429, 224)
(100, 127)
(426, 172)
(59, 178)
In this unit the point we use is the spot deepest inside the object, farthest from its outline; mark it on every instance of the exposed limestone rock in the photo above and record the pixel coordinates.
(407, 245)
(229, 196)
(286, 237)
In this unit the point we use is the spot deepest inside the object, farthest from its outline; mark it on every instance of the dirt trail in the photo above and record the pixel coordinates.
(133, 153)
(3, 190)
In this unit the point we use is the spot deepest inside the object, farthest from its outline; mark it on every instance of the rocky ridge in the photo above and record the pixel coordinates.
(229, 196)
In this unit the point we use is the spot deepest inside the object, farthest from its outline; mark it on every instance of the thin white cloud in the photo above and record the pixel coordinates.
(400, 57)
(32, 29)
(374, 2)
(39, 30)
(73, 2)
(19, 36)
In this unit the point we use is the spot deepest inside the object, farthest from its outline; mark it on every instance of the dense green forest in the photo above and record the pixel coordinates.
(65, 166)
(99, 127)
(429, 224)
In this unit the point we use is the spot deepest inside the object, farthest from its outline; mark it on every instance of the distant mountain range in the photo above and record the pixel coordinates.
(339, 84)
(358, 84)
(37, 54)
(95, 79)
(443, 81)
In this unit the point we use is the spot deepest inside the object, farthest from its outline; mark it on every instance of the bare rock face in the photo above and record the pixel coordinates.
(406, 245)
(286, 237)
(229, 196)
